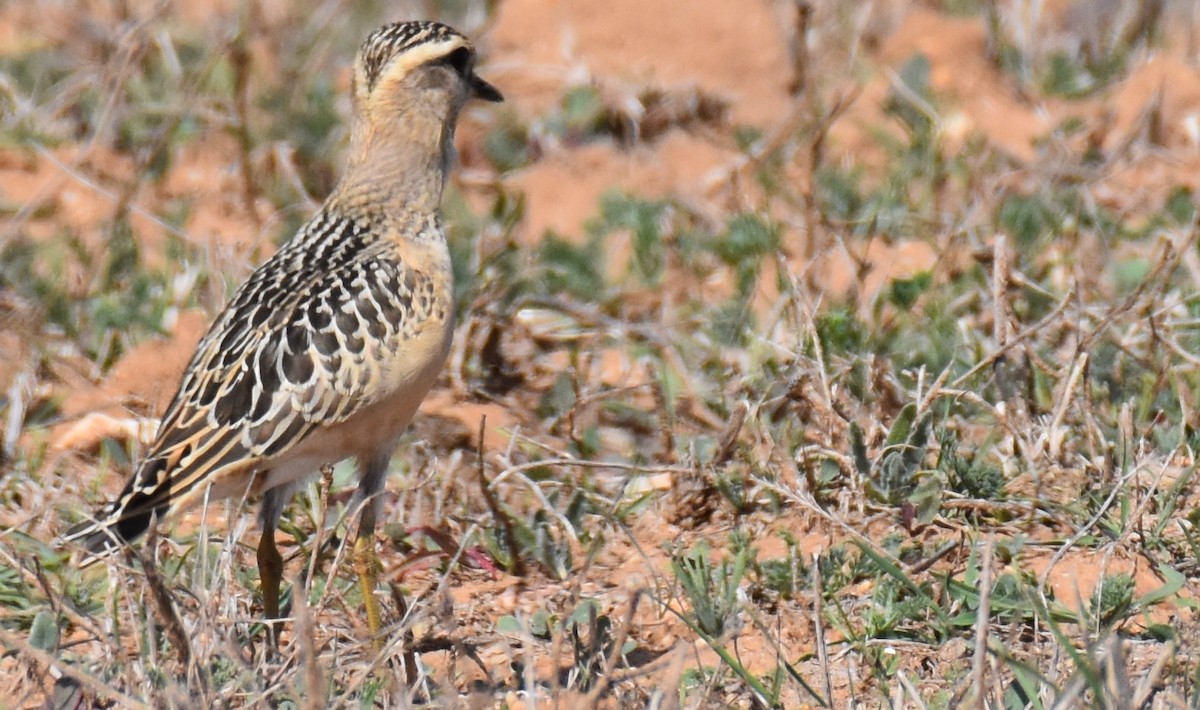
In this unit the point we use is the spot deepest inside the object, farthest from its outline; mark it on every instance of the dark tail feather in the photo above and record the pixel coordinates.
(106, 534)
(125, 519)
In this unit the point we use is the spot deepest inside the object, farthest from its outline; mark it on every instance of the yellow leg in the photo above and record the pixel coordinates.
(270, 572)
(367, 564)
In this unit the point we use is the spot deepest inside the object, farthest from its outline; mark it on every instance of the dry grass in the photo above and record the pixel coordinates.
(885, 411)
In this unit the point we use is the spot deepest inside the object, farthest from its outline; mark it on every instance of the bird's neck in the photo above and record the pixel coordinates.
(397, 167)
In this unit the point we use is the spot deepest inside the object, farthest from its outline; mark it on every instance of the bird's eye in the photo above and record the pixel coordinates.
(460, 59)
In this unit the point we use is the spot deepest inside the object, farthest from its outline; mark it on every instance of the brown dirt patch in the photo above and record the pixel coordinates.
(713, 44)
(563, 190)
(140, 384)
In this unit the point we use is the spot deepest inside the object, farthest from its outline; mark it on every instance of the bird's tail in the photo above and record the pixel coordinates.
(125, 519)
(108, 531)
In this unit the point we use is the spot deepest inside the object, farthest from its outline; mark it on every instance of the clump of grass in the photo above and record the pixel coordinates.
(967, 474)
(711, 589)
(1113, 599)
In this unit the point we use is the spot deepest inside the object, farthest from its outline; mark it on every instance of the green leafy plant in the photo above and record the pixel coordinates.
(897, 475)
(711, 589)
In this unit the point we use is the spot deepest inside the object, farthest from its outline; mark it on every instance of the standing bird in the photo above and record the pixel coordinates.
(328, 348)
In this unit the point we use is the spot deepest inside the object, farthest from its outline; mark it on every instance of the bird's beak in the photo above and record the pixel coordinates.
(480, 89)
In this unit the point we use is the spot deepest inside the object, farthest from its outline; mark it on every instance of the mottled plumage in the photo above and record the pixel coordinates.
(326, 350)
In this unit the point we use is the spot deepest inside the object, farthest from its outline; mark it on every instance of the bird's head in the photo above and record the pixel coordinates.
(424, 67)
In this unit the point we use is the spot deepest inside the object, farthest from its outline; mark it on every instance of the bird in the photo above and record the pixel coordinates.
(327, 349)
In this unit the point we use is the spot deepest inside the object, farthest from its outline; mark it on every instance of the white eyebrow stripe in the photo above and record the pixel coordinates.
(408, 60)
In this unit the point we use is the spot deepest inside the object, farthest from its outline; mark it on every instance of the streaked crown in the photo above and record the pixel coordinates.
(394, 51)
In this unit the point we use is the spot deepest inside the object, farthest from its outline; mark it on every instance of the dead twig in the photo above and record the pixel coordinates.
(409, 650)
(313, 697)
(239, 59)
(164, 606)
(819, 632)
(799, 47)
(982, 620)
(1017, 339)
(729, 437)
(508, 534)
(614, 656)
